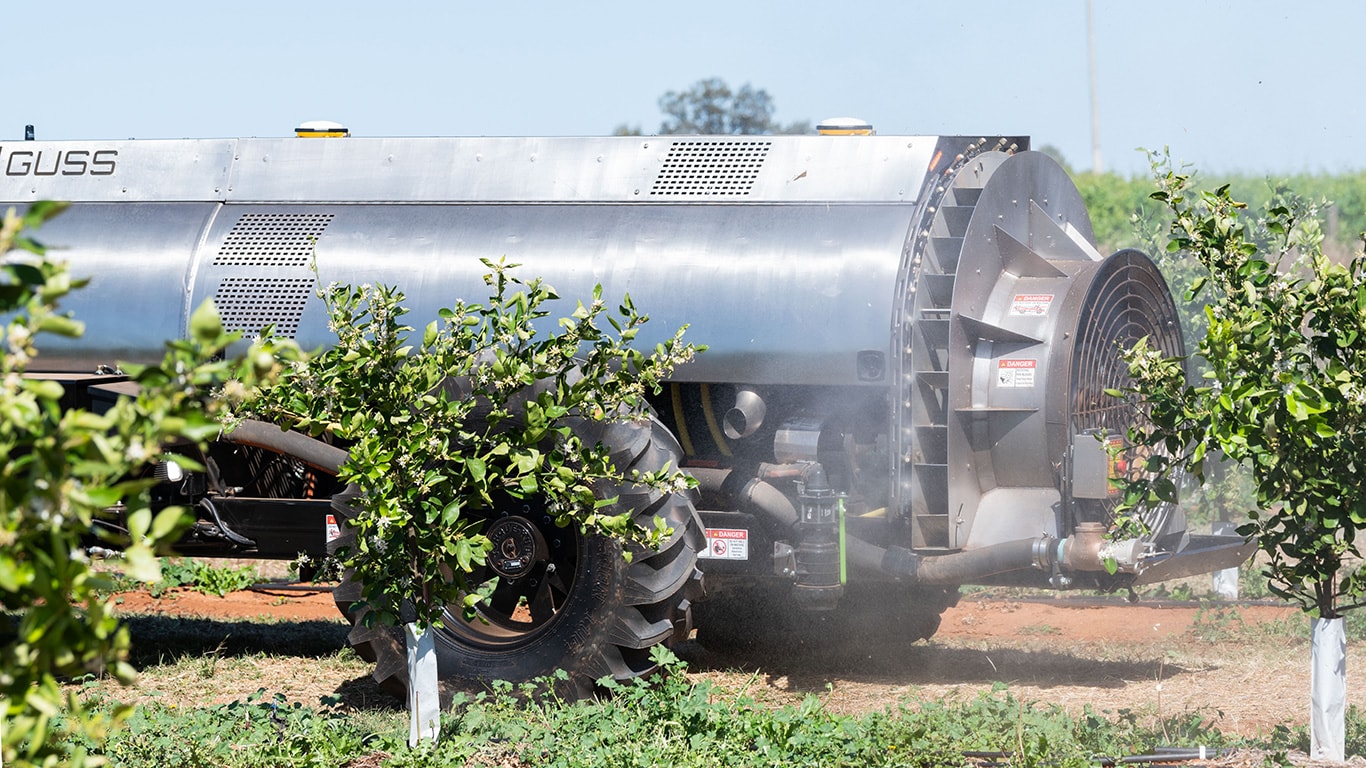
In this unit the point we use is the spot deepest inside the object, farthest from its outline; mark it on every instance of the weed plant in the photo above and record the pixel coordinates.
(262, 731)
(199, 575)
(205, 577)
(669, 720)
(1215, 623)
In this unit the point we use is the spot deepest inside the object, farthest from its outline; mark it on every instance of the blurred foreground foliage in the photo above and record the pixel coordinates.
(73, 478)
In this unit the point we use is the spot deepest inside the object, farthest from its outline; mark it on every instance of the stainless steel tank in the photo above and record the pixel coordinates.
(949, 286)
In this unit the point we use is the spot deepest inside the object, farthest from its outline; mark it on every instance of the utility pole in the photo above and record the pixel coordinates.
(1091, 68)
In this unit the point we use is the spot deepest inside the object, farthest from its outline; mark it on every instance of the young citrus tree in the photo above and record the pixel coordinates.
(64, 471)
(445, 427)
(1283, 395)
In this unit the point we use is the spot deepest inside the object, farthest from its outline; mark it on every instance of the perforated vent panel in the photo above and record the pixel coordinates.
(248, 304)
(272, 239)
(711, 167)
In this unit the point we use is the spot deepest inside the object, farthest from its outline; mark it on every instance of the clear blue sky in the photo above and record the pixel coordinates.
(1257, 86)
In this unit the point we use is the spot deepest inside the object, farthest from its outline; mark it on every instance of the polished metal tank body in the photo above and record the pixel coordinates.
(781, 253)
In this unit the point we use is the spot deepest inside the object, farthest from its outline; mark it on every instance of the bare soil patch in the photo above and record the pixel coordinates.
(1243, 668)
(279, 604)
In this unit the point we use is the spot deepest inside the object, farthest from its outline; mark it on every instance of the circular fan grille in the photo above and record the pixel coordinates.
(1128, 300)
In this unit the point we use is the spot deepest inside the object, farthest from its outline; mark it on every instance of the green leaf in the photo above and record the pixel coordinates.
(44, 389)
(477, 468)
(13, 575)
(167, 522)
(139, 522)
(206, 327)
(43, 211)
(450, 514)
(62, 326)
(464, 556)
(141, 564)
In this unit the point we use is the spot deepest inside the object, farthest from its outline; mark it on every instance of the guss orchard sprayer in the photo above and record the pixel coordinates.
(910, 339)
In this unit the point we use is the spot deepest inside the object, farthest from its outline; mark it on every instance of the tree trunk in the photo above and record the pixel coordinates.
(424, 694)
(1328, 691)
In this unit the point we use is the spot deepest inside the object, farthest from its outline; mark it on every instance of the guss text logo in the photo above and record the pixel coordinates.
(47, 162)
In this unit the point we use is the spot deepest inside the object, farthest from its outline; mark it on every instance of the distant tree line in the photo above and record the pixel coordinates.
(712, 107)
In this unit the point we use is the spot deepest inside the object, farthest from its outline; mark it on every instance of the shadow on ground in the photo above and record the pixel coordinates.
(165, 639)
(161, 639)
(925, 664)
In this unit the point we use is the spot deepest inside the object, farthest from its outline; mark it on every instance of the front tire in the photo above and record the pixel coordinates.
(579, 607)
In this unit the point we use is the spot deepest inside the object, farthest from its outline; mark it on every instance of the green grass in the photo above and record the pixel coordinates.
(676, 719)
(673, 720)
(256, 693)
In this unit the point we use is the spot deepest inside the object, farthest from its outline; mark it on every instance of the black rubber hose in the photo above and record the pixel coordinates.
(230, 534)
(749, 494)
(313, 452)
(757, 496)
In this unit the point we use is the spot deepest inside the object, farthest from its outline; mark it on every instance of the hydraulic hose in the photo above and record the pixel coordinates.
(228, 533)
(749, 494)
(315, 453)
(757, 496)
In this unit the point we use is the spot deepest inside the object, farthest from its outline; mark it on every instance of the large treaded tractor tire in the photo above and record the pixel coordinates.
(582, 608)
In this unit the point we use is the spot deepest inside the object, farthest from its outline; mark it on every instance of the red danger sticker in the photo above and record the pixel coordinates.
(1031, 304)
(1015, 373)
(726, 544)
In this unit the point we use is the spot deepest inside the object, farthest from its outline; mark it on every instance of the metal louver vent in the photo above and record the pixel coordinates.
(272, 239)
(248, 304)
(711, 167)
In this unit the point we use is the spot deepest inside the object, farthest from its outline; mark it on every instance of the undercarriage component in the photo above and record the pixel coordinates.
(759, 623)
(819, 554)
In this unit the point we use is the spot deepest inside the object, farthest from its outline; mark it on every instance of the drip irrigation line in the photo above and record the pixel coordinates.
(1162, 756)
(290, 586)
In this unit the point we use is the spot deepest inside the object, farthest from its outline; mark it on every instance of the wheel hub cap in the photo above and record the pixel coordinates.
(517, 547)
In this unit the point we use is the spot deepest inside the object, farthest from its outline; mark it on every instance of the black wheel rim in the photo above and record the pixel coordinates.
(527, 599)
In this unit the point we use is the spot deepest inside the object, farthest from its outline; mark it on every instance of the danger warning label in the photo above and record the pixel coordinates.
(726, 544)
(1031, 304)
(1016, 373)
(333, 531)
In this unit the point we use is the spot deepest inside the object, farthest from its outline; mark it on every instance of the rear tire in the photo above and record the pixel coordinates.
(582, 608)
(766, 620)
